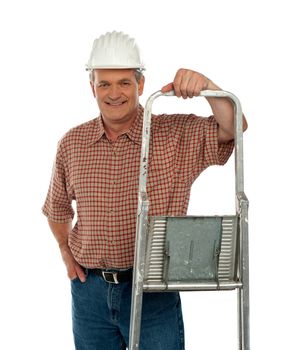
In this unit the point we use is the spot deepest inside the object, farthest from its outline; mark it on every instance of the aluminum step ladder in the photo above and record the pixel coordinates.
(207, 253)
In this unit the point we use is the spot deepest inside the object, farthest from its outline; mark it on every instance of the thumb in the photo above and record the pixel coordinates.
(168, 87)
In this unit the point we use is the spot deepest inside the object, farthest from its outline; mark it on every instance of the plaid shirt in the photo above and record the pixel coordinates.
(102, 177)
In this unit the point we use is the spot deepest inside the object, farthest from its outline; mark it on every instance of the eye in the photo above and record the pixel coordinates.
(103, 85)
(125, 83)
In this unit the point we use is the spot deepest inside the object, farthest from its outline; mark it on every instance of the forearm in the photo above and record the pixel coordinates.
(223, 110)
(188, 83)
(61, 232)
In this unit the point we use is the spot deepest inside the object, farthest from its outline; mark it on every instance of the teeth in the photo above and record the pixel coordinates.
(116, 104)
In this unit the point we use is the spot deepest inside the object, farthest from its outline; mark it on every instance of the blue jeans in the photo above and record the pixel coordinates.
(101, 315)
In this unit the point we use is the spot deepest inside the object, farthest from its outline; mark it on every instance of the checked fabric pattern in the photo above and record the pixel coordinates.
(102, 177)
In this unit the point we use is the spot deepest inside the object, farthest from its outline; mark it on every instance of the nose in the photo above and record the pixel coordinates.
(114, 92)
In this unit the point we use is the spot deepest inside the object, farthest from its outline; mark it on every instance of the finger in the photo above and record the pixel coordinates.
(198, 89)
(69, 263)
(80, 273)
(71, 273)
(196, 85)
(191, 88)
(188, 81)
(74, 270)
(167, 87)
(177, 82)
(184, 88)
(201, 85)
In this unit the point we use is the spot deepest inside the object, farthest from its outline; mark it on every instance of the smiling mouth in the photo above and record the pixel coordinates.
(115, 104)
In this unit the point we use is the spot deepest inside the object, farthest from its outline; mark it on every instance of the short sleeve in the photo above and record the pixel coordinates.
(215, 153)
(57, 206)
(203, 148)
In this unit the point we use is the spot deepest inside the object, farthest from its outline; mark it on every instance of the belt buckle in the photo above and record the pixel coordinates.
(110, 277)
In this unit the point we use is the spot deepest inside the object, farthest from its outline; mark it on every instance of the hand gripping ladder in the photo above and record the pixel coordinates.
(192, 253)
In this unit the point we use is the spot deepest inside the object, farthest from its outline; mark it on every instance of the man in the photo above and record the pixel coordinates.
(97, 165)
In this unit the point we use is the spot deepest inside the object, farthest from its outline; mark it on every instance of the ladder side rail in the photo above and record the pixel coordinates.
(141, 230)
(243, 293)
(138, 275)
(242, 211)
(238, 135)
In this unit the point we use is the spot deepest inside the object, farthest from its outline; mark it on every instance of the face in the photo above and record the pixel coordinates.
(117, 93)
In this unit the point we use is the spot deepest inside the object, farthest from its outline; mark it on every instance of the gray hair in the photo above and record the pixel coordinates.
(137, 72)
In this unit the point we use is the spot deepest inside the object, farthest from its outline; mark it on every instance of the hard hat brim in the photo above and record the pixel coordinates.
(90, 68)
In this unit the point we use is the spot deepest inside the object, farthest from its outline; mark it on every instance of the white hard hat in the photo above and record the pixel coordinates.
(114, 50)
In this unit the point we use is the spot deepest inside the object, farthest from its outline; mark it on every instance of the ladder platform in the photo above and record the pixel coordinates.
(191, 253)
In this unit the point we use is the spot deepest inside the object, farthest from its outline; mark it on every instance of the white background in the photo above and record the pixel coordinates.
(241, 45)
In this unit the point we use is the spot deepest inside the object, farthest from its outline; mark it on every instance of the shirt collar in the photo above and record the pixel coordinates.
(97, 131)
(134, 133)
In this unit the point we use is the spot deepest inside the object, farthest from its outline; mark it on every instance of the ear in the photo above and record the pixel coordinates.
(92, 88)
(141, 85)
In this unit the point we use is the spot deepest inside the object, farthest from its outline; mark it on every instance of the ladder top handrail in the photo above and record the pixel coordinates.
(238, 135)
